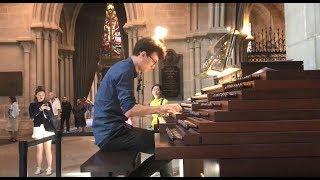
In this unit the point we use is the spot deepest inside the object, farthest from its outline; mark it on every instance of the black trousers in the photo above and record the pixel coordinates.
(65, 118)
(140, 140)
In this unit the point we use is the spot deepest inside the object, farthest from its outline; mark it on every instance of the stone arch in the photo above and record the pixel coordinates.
(76, 11)
(266, 14)
(51, 17)
(134, 12)
(64, 28)
(46, 15)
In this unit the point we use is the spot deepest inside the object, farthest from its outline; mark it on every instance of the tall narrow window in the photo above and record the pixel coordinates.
(111, 48)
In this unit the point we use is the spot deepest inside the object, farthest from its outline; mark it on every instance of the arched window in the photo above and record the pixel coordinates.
(111, 48)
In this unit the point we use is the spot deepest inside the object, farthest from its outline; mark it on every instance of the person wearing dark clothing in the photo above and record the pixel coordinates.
(41, 116)
(40, 110)
(115, 104)
(65, 113)
(78, 111)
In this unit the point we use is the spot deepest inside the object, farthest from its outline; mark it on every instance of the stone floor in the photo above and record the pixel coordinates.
(75, 151)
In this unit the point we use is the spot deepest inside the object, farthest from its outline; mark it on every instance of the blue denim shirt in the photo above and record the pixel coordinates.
(113, 99)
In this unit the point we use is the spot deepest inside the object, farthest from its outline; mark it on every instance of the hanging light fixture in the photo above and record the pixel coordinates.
(160, 33)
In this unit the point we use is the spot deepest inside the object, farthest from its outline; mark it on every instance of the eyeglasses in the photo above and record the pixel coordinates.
(154, 61)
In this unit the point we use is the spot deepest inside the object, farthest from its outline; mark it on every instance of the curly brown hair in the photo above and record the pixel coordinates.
(149, 45)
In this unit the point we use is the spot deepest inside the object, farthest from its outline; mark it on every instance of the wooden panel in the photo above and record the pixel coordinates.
(260, 137)
(262, 104)
(284, 84)
(259, 115)
(192, 137)
(298, 166)
(281, 94)
(255, 126)
(274, 84)
(282, 75)
(11, 83)
(165, 150)
(271, 104)
(249, 94)
(251, 67)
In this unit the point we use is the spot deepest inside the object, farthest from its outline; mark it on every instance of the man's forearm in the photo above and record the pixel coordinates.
(141, 110)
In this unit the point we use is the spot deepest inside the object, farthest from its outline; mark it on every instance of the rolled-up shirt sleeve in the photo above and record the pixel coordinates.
(124, 87)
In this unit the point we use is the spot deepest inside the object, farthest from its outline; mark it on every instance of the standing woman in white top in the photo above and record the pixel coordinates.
(13, 114)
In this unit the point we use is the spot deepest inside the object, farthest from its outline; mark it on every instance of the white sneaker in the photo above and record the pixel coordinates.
(48, 171)
(38, 171)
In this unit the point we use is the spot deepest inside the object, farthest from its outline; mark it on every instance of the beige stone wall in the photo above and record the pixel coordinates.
(302, 33)
(11, 60)
(178, 18)
(11, 57)
(172, 16)
(15, 20)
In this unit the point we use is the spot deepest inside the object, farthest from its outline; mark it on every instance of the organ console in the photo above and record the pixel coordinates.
(256, 125)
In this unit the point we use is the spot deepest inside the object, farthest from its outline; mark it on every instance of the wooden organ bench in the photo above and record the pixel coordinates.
(103, 164)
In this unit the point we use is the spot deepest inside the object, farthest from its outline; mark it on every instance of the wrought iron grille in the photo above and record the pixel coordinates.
(268, 45)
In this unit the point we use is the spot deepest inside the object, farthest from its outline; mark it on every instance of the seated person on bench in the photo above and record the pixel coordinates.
(115, 103)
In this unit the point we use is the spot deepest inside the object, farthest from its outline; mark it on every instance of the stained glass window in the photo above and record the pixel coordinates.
(111, 38)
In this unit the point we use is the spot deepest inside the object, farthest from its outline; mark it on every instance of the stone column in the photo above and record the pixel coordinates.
(27, 85)
(61, 74)
(46, 61)
(135, 37)
(71, 77)
(130, 48)
(66, 75)
(222, 14)
(216, 14)
(210, 19)
(191, 60)
(197, 65)
(54, 62)
(195, 16)
(189, 10)
(39, 57)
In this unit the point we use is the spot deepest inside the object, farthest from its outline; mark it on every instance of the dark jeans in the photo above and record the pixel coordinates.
(65, 119)
(140, 140)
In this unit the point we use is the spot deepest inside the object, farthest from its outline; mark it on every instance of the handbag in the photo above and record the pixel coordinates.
(50, 122)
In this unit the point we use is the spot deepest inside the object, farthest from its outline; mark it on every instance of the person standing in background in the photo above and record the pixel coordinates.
(79, 110)
(40, 110)
(56, 108)
(13, 114)
(65, 114)
(157, 101)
